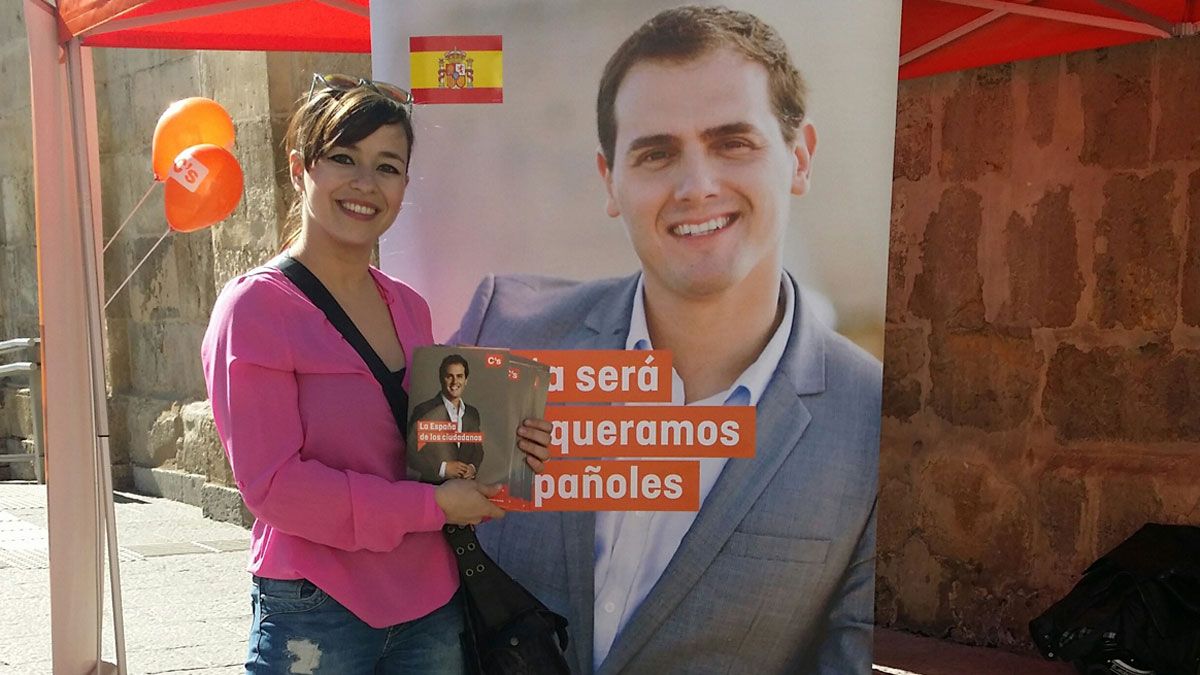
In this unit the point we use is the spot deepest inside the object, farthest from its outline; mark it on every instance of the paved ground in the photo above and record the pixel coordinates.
(186, 601)
(187, 607)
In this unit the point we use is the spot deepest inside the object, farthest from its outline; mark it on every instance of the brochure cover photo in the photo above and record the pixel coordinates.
(465, 405)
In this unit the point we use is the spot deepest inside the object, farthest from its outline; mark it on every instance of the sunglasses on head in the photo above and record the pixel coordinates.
(339, 82)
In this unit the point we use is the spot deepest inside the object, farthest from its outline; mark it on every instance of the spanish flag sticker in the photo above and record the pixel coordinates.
(457, 68)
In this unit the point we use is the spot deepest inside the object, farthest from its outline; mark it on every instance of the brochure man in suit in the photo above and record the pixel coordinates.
(436, 462)
(703, 147)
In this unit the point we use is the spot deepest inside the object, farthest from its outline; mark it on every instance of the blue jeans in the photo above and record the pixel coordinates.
(298, 628)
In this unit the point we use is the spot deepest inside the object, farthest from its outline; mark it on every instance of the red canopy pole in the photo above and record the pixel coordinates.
(64, 283)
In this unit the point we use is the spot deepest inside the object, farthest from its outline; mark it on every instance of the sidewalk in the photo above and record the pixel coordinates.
(187, 605)
(186, 592)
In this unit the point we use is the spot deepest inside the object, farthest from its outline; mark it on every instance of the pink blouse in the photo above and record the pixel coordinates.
(316, 453)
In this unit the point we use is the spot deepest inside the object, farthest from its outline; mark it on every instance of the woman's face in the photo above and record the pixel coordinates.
(350, 196)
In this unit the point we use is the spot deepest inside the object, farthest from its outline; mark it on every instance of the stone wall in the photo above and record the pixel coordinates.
(158, 405)
(162, 437)
(18, 266)
(1043, 331)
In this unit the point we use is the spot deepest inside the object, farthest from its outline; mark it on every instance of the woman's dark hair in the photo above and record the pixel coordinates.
(331, 117)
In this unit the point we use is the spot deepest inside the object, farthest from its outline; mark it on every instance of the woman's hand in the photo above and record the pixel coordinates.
(465, 502)
(533, 438)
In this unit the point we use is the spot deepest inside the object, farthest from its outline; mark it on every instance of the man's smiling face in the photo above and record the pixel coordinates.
(701, 172)
(454, 380)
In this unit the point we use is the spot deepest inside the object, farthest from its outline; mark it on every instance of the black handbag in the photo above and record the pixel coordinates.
(508, 630)
(1136, 611)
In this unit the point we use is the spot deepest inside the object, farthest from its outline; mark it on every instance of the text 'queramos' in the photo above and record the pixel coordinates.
(648, 453)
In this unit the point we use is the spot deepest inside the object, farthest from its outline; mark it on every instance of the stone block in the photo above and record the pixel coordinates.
(899, 245)
(193, 451)
(153, 293)
(129, 61)
(949, 289)
(1045, 283)
(977, 125)
(154, 429)
(1042, 77)
(115, 126)
(291, 72)
(12, 30)
(169, 483)
(229, 263)
(19, 262)
(165, 359)
(1112, 394)
(1189, 296)
(961, 493)
(16, 208)
(224, 504)
(1178, 128)
(1061, 501)
(201, 445)
(20, 407)
(985, 379)
(21, 470)
(254, 222)
(157, 87)
(238, 80)
(905, 357)
(117, 343)
(122, 476)
(918, 582)
(1126, 503)
(8, 411)
(1116, 105)
(5, 315)
(1137, 255)
(897, 520)
(120, 199)
(914, 131)
(25, 324)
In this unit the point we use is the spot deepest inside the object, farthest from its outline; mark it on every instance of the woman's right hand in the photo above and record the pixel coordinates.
(465, 502)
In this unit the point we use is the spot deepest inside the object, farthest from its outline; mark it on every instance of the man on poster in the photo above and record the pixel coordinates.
(703, 145)
(436, 462)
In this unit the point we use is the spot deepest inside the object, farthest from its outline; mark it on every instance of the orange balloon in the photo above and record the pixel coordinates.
(203, 187)
(186, 123)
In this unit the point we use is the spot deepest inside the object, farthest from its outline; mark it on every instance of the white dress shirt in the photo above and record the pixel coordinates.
(633, 548)
(456, 416)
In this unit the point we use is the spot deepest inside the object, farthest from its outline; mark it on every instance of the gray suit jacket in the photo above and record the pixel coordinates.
(777, 574)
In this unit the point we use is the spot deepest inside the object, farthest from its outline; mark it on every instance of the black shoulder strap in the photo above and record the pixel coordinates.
(311, 286)
(495, 598)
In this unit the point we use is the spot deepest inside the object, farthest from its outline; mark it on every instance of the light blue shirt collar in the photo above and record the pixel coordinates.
(749, 386)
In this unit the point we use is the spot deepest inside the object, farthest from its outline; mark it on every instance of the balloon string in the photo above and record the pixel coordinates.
(130, 216)
(136, 268)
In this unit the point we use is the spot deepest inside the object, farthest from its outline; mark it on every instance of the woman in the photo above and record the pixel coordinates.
(351, 570)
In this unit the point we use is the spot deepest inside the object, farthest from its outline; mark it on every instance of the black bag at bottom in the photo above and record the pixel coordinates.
(509, 631)
(1135, 612)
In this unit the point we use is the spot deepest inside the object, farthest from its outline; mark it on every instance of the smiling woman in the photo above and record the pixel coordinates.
(351, 572)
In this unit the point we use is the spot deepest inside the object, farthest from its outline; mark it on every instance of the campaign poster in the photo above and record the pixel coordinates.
(512, 186)
(768, 563)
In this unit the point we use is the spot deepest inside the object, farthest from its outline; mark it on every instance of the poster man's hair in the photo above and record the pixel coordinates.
(452, 359)
(686, 33)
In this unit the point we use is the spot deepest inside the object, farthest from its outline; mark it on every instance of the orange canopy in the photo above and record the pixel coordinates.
(935, 36)
(257, 25)
(943, 35)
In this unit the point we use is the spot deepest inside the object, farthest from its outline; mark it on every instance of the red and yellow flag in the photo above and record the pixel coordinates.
(457, 68)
